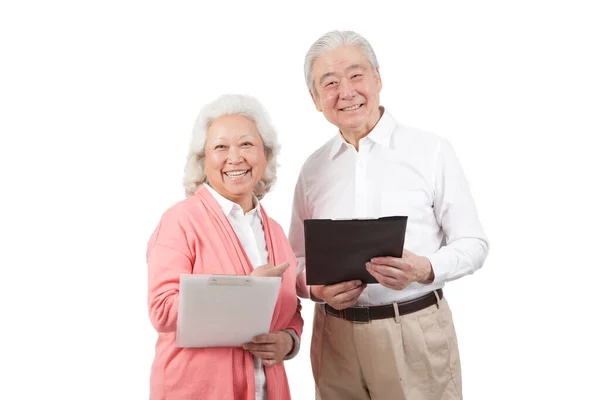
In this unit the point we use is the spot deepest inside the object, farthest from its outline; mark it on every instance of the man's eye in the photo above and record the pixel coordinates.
(330, 83)
(219, 147)
(246, 144)
(356, 76)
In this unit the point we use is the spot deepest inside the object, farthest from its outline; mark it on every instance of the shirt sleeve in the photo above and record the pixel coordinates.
(466, 246)
(168, 257)
(296, 236)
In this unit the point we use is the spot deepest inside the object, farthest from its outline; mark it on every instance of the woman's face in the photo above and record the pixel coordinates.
(235, 158)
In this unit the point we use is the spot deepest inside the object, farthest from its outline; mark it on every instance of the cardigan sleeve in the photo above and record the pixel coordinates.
(295, 326)
(168, 257)
(297, 323)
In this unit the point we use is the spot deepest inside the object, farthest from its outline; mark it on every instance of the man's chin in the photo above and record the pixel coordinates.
(352, 124)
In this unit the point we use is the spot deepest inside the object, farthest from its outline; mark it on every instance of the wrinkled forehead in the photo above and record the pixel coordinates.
(232, 127)
(340, 60)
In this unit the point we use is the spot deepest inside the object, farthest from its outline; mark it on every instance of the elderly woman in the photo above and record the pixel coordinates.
(221, 228)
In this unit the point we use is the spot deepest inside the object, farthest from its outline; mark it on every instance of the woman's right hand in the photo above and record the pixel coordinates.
(271, 270)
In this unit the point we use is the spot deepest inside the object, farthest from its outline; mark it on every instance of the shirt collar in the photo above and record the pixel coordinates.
(338, 142)
(380, 134)
(230, 207)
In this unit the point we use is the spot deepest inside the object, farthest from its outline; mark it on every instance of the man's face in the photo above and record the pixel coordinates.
(347, 89)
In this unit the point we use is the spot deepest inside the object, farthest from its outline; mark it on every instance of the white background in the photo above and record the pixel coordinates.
(97, 101)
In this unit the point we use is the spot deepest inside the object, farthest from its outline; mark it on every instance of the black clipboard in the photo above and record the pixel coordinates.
(337, 250)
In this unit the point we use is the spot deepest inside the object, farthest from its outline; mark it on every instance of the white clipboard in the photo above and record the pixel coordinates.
(224, 310)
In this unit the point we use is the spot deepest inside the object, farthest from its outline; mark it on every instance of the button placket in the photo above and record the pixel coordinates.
(361, 202)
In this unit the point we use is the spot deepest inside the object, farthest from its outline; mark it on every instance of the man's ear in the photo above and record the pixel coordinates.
(378, 76)
(315, 101)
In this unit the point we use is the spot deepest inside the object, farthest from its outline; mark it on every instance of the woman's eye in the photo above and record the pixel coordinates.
(219, 147)
(246, 144)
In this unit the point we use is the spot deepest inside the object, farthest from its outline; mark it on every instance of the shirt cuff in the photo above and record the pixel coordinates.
(296, 348)
(441, 268)
(302, 289)
(314, 299)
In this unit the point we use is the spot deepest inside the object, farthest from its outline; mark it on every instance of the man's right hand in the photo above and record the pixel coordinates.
(339, 296)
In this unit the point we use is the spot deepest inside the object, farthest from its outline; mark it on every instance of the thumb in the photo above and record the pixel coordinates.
(278, 270)
(269, 363)
(406, 253)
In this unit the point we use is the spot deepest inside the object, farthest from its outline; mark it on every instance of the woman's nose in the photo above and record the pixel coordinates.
(234, 156)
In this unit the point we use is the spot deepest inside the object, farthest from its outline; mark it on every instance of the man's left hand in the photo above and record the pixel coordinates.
(398, 273)
(271, 347)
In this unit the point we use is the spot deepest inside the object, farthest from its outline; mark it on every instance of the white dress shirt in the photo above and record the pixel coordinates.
(397, 170)
(250, 232)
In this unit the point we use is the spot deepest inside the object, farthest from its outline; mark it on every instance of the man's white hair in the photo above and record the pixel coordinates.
(231, 104)
(329, 42)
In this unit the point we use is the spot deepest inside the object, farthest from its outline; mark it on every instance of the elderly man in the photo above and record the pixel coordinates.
(374, 167)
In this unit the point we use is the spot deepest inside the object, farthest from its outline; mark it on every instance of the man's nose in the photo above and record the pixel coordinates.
(347, 90)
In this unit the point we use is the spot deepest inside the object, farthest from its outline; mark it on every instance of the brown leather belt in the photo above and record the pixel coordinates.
(366, 314)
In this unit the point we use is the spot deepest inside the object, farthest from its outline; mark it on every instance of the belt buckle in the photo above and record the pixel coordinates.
(360, 315)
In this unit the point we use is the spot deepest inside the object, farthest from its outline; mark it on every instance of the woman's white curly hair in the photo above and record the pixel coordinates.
(231, 104)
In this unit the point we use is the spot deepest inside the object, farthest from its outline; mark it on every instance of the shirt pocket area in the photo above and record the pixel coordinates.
(414, 204)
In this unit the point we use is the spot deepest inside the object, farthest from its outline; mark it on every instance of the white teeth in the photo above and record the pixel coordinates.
(236, 174)
(351, 108)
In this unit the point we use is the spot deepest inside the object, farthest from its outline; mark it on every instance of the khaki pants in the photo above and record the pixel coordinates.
(415, 358)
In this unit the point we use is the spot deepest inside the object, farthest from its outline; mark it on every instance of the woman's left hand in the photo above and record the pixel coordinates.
(271, 347)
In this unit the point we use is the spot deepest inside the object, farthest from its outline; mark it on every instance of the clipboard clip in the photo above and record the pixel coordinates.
(230, 280)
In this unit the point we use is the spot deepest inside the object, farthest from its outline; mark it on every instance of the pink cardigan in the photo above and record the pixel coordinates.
(194, 236)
